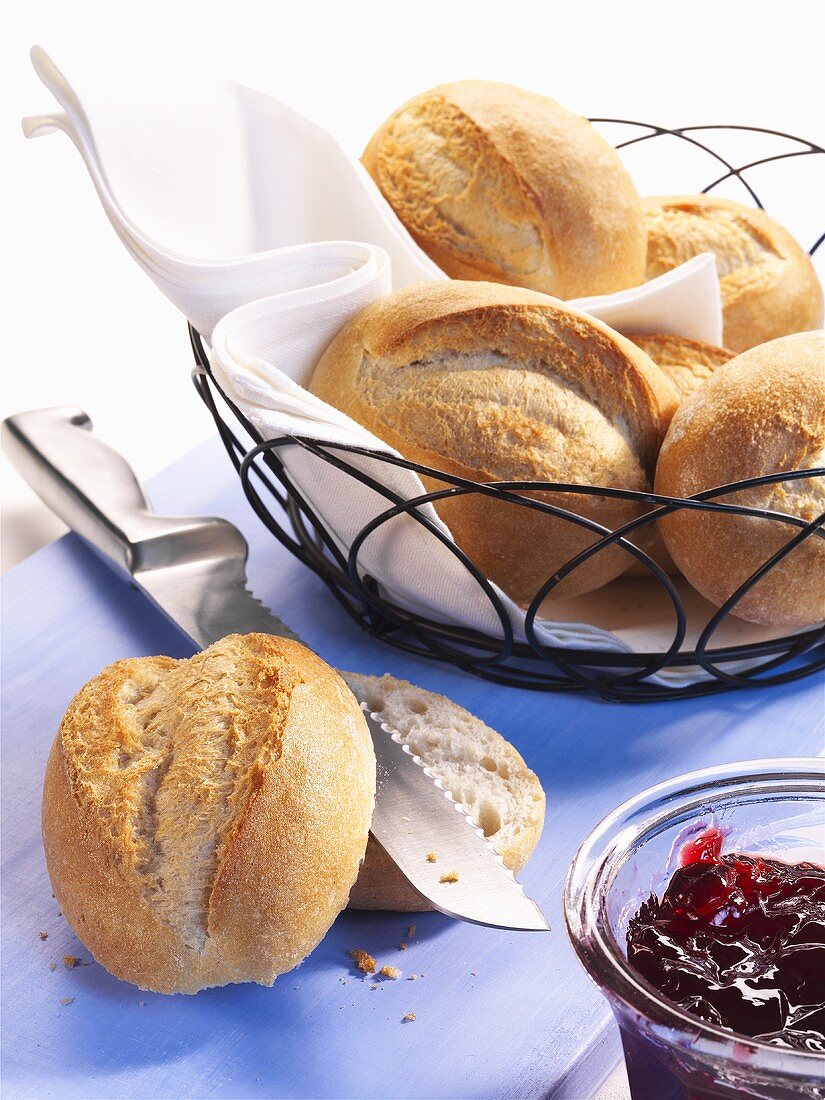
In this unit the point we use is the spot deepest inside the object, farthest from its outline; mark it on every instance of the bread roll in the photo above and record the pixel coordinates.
(204, 820)
(688, 364)
(769, 286)
(764, 412)
(500, 184)
(481, 770)
(492, 383)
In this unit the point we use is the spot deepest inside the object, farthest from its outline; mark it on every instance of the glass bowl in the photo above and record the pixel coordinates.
(768, 807)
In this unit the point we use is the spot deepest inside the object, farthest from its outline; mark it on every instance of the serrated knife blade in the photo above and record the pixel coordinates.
(194, 571)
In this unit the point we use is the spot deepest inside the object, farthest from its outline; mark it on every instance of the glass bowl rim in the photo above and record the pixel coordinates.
(606, 965)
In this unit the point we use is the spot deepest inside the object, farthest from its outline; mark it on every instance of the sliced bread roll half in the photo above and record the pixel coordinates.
(481, 770)
(204, 820)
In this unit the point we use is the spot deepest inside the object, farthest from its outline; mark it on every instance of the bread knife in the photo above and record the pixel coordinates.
(193, 569)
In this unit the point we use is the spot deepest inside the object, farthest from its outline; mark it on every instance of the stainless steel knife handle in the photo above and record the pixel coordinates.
(95, 491)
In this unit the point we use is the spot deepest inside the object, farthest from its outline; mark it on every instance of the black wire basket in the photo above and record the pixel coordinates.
(502, 657)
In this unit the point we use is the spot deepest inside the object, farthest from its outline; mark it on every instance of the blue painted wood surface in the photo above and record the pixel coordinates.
(497, 1014)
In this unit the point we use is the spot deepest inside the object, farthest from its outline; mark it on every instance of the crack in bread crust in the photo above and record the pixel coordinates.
(437, 172)
(175, 779)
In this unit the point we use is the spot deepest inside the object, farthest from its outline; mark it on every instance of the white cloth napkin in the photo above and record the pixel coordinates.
(269, 237)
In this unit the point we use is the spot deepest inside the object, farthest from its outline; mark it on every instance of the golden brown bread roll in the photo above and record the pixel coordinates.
(764, 412)
(204, 820)
(688, 364)
(769, 286)
(501, 184)
(490, 382)
(481, 770)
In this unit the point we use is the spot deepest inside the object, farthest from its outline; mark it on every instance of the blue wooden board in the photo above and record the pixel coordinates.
(497, 1014)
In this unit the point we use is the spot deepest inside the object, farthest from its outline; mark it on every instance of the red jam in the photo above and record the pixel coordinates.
(739, 940)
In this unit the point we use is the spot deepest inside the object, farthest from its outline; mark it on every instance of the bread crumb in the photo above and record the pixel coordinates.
(363, 961)
(405, 818)
(67, 1000)
(71, 961)
(402, 947)
(52, 966)
(391, 972)
(451, 876)
(411, 978)
(409, 1017)
(411, 932)
(43, 935)
(432, 857)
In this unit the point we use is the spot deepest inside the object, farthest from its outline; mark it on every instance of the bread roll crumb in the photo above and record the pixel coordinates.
(451, 876)
(71, 961)
(409, 1017)
(67, 1000)
(43, 935)
(411, 932)
(484, 773)
(364, 961)
(391, 972)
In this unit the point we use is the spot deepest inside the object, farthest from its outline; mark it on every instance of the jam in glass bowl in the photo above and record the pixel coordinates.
(698, 908)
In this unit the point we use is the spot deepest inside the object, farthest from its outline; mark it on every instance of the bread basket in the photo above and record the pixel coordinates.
(651, 674)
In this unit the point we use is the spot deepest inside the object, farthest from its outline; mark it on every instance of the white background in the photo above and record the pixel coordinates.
(346, 65)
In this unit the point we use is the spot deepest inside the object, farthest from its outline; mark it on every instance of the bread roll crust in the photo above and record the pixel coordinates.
(761, 413)
(687, 364)
(768, 283)
(490, 382)
(204, 820)
(498, 183)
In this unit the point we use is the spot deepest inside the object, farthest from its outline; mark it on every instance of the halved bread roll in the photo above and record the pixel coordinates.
(481, 769)
(204, 820)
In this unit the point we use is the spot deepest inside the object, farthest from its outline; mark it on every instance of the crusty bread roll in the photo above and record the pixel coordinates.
(688, 364)
(764, 412)
(481, 770)
(500, 184)
(490, 382)
(204, 820)
(769, 286)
